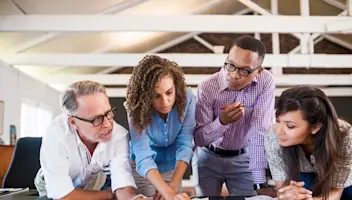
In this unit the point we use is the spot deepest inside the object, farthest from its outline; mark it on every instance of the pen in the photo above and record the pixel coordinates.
(223, 108)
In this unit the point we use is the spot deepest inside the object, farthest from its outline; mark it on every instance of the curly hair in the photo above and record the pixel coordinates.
(140, 90)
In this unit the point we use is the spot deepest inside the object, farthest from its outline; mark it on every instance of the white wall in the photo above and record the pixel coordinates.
(17, 87)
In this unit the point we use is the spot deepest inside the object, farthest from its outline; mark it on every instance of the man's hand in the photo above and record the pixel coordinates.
(294, 191)
(231, 113)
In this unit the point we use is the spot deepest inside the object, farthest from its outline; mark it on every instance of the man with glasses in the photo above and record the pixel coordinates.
(234, 109)
(82, 142)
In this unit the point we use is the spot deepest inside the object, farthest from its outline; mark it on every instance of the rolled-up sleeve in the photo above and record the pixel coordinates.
(145, 156)
(121, 172)
(55, 167)
(184, 139)
(207, 129)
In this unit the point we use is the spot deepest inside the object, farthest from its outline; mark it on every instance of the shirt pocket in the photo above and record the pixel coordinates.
(94, 168)
(75, 168)
(247, 115)
(104, 160)
(249, 101)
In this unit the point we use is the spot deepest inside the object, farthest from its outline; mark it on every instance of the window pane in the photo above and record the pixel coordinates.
(45, 117)
(34, 120)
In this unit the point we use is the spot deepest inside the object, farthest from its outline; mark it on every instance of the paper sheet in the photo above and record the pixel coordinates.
(261, 197)
(205, 198)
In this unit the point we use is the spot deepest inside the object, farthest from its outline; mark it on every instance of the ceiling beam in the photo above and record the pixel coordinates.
(306, 38)
(173, 23)
(330, 92)
(255, 7)
(18, 7)
(50, 36)
(200, 9)
(204, 43)
(157, 49)
(336, 4)
(339, 41)
(183, 59)
(340, 26)
(316, 37)
(282, 80)
(275, 38)
(178, 40)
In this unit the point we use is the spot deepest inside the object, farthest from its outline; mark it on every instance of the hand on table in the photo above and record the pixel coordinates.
(294, 191)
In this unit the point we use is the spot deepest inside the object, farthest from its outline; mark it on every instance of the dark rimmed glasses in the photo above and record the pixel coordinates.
(241, 71)
(97, 121)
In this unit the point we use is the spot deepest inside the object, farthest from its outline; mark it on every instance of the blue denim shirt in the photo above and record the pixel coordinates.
(161, 144)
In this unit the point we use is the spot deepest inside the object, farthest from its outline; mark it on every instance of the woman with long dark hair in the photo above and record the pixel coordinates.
(309, 150)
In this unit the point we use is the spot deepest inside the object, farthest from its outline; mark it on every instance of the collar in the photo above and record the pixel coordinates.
(78, 139)
(156, 115)
(222, 80)
(255, 81)
(72, 130)
(100, 147)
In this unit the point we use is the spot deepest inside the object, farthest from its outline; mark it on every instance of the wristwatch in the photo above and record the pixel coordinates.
(257, 186)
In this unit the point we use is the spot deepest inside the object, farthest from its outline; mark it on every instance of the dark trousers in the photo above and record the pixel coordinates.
(107, 183)
(309, 179)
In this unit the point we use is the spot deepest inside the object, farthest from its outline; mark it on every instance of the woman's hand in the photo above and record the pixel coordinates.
(174, 186)
(294, 191)
(182, 196)
(158, 196)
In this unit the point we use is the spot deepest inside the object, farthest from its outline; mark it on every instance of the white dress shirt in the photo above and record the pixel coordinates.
(66, 162)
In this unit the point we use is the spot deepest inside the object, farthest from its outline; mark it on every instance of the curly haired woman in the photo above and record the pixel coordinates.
(161, 116)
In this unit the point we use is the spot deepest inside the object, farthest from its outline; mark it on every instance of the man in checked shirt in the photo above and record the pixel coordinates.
(235, 107)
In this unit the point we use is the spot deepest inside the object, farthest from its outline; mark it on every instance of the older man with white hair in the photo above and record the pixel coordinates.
(82, 142)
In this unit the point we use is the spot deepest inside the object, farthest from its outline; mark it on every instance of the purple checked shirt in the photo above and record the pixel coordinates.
(258, 99)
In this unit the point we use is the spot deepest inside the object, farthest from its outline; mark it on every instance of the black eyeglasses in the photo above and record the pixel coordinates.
(100, 119)
(241, 71)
